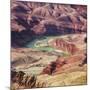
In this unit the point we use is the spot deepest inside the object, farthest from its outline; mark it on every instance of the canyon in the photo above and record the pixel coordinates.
(48, 45)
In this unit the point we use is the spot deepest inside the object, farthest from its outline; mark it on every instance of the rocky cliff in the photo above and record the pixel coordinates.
(29, 19)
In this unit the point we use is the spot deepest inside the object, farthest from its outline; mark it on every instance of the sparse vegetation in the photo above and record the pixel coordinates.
(25, 81)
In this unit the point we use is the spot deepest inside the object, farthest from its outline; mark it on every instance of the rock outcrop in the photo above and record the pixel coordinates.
(64, 46)
(63, 64)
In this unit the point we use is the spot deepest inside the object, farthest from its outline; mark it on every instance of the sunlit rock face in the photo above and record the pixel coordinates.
(64, 64)
(64, 45)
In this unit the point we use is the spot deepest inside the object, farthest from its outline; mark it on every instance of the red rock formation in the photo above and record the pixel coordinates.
(50, 68)
(62, 64)
(64, 45)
